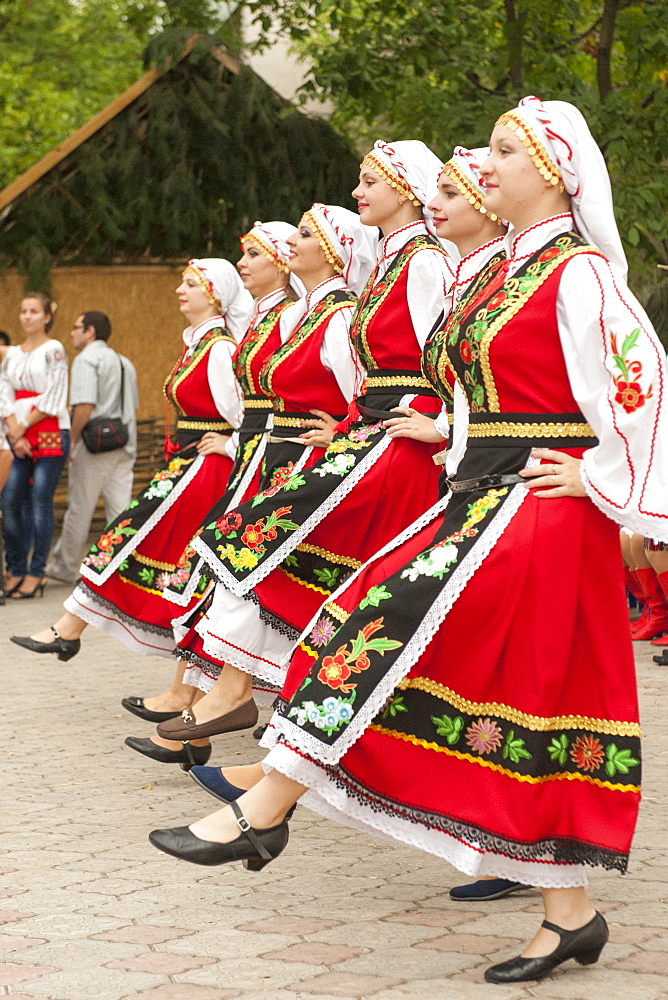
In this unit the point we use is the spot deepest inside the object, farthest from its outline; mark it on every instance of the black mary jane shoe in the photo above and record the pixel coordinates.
(584, 945)
(256, 848)
(64, 649)
(187, 757)
(136, 707)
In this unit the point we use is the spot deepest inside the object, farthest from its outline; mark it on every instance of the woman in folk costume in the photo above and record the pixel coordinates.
(459, 218)
(498, 668)
(125, 572)
(263, 268)
(292, 547)
(264, 271)
(312, 371)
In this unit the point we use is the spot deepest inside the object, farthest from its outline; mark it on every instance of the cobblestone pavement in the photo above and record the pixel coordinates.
(90, 911)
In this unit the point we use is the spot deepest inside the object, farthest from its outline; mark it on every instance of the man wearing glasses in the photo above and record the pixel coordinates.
(103, 384)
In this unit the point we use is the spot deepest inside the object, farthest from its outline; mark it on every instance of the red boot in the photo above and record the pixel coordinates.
(656, 619)
(663, 583)
(633, 586)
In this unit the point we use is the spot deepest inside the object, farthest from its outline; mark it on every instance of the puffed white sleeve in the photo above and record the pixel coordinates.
(224, 387)
(54, 398)
(337, 354)
(430, 276)
(7, 394)
(619, 378)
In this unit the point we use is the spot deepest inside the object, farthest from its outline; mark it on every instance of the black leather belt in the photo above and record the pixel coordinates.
(368, 411)
(483, 482)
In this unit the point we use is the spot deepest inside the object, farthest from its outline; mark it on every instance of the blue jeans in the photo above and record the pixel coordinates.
(27, 507)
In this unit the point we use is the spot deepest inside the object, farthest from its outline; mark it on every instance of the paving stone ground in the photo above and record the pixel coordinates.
(90, 911)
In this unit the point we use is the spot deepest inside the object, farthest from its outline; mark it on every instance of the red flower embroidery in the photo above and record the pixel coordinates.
(497, 301)
(629, 395)
(334, 671)
(549, 254)
(253, 535)
(465, 351)
(228, 523)
(587, 753)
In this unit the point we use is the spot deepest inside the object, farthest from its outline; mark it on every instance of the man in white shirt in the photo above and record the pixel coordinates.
(95, 391)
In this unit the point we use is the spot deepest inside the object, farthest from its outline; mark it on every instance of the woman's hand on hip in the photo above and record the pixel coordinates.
(323, 429)
(559, 477)
(213, 444)
(412, 424)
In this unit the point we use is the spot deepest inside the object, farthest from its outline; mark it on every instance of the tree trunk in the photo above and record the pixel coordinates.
(604, 56)
(514, 39)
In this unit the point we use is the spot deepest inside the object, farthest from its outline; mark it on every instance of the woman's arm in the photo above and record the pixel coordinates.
(617, 371)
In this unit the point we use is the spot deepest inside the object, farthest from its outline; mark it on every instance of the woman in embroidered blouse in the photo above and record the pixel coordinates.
(312, 371)
(352, 501)
(33, 405)
(124, 574)
(506, 674)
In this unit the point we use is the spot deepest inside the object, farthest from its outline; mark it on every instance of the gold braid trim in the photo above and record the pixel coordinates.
(541, 159)
(170, 567)
(526, 778)
(290, 421)
(258, 404)
(303, 583)
(266, 251)
(205, 285)
(203, 425)
(324, 241)
(537, 723)
(336, 611)
(510, 429)
(375, 381)
(329, 556)
(388, 175)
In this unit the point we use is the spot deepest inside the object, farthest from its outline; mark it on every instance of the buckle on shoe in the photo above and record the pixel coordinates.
(243, 824)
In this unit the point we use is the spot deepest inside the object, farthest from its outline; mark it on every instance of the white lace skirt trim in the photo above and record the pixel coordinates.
(327, 798)
(134, 541)
(233, 632)
(413, 649)
(131, 634)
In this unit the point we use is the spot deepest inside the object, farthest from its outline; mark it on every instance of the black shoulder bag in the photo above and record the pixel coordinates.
(107, 433)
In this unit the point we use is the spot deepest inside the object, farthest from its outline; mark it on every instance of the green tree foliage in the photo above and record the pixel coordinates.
(63, 60)
(442, 70)
(182, 171)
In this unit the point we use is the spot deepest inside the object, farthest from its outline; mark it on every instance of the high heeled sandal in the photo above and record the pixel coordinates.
(255, 848)
(188, 757)
(23, 595)
(12, 590)
(64, 649)
(584, 945)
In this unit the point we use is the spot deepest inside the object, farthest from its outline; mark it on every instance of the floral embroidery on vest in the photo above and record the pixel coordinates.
(332, 303)
(478, 318)
(250, 345)
(373, 296)
(186, 365)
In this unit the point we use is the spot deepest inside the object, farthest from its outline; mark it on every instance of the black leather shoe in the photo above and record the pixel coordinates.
(256, 848)
(662, 658)
(136, 707)
(64, 649)
(584, 945)
(187, 757)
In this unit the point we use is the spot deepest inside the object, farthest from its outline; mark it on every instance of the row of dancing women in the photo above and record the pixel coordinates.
(414, 547)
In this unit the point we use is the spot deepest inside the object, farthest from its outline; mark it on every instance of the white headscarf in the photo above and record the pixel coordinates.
(411, 168)
(271, 239)
(226, 292)
(349, 246)
(464, 169)
(564, 150)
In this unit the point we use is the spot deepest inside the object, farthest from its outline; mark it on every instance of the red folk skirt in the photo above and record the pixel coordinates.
(534, 655)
